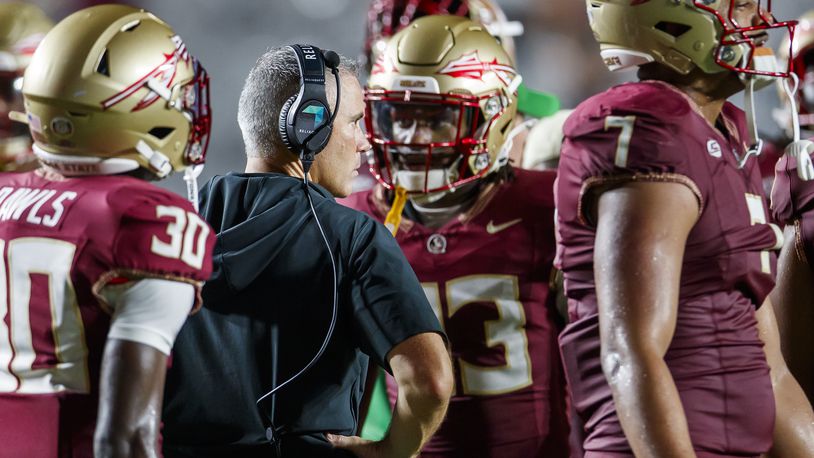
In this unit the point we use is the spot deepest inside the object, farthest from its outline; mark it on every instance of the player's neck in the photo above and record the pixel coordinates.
(709, 92)
(709, 106)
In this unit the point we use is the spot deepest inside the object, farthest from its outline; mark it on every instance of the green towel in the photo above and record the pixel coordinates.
(378, 415)
(536, 103)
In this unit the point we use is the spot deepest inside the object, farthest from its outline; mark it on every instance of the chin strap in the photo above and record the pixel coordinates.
(800, 150)
(756, 143)
(503, 156)
(159, 163)
(191, 175)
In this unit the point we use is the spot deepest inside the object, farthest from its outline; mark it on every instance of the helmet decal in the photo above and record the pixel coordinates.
(164, 73)
(471, 66)
(383, 64)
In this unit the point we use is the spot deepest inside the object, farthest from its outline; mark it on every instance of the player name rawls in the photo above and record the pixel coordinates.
(36, 206)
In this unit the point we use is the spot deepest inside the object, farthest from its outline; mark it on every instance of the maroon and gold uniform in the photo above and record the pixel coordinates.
(649, 131)
(61, 243)
(486, 274)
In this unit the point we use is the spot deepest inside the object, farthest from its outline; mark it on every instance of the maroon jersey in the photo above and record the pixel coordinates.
(650, 131)
(61, 243)
(793, 203)
(486, 275)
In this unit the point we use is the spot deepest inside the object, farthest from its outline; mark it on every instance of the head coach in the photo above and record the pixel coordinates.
(304, 291)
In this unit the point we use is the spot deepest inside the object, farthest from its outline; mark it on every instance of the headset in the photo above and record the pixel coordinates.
(305, 121)
(305, 126)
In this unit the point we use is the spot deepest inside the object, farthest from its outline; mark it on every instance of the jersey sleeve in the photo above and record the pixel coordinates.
(792, 197)
(389, 305)
(792, 203)
(612, 146)
(159, 236)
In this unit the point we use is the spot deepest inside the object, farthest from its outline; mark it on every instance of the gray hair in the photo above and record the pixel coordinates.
(273, 80)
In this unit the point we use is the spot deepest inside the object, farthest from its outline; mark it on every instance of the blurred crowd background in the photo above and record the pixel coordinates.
(556, 54)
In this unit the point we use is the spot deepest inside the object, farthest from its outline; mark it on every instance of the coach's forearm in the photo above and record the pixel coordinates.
(419, 410)
(647, 404)
(423, 373)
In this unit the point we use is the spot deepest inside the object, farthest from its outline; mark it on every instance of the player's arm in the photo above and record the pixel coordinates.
(793, 302)
(642, 228)
(794, 419)
(423, 373)
(148, 314)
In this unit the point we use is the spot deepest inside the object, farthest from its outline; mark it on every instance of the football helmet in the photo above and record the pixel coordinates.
(386, 17)
(112, 88)
(802, 58)
(439, 101)
(683, 34)
(22, 26)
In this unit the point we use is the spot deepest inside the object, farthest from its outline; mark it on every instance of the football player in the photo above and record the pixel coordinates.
(479, 234)
(22, 26)
(99, 267)
(386, 17)
(793, 205)
(665, 244)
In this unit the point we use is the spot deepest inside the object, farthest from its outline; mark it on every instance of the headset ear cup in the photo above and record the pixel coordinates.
(281, 124)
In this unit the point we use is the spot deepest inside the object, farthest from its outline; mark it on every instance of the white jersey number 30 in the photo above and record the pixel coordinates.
(183, 243)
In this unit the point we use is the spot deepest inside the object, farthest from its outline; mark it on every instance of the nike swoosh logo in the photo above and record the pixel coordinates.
(491, 228)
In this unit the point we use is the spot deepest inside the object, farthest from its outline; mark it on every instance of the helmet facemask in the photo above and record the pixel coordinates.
(196, 108)
(429, 143)
(742, 48)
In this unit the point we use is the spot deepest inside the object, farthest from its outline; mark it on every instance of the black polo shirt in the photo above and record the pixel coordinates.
(272, 272)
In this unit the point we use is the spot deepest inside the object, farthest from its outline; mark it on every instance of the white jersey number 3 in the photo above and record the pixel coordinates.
(508, 331)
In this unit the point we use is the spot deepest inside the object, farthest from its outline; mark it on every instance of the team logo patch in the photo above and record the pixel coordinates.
(714, 148)
(164, 73)
(471, 66)
(437, 244)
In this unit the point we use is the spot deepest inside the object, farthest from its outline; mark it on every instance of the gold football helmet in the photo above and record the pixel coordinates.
(386, 17)
(683, 34)
(112, 88)
(802, 58)
(440, 100)
(22, 26)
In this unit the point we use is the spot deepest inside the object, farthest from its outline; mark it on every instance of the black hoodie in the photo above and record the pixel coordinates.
(272, 270)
